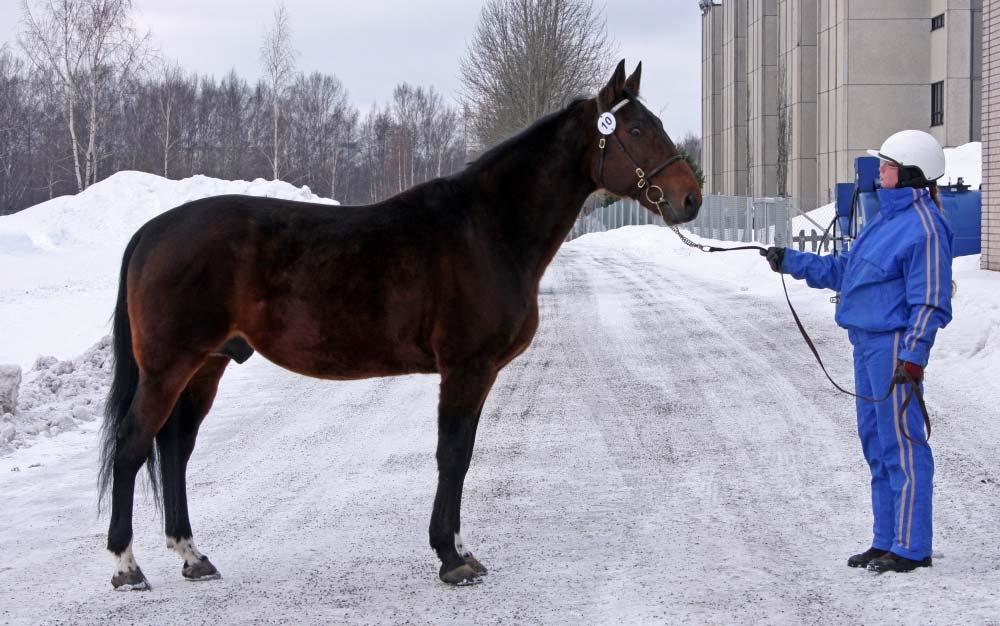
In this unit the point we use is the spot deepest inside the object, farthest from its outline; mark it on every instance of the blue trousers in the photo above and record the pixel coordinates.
(902, 470)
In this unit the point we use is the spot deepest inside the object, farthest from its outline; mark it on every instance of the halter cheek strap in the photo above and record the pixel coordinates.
(603, 141)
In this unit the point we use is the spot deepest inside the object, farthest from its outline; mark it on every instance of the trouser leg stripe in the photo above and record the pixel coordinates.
(901, 443)
(913, 486)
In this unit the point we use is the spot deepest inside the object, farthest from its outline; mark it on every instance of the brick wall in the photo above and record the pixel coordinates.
(991, 135)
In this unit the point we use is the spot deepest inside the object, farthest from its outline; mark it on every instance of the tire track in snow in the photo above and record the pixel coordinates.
(651, 346)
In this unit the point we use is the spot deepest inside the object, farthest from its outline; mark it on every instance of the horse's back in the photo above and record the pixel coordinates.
(322, 289)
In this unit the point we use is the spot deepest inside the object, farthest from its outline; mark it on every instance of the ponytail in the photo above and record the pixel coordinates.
(933, 189)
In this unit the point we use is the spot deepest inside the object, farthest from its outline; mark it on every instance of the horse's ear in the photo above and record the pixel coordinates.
(610, 93)
(632, 83)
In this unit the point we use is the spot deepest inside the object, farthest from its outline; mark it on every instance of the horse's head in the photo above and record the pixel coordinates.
(634, 157)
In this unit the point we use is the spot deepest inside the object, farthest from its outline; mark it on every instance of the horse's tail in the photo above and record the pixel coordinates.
(118, 420)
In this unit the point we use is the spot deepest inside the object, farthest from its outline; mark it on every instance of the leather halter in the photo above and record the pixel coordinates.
(642, 176)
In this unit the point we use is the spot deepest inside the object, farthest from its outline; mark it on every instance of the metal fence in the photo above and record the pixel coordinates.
(625, 212)
(768, 221)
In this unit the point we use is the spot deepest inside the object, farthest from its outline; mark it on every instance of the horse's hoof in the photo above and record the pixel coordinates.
(461, 576)
(476, 566)
(200, 570)
(132, 580)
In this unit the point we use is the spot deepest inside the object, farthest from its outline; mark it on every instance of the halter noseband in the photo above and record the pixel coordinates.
(639, 172)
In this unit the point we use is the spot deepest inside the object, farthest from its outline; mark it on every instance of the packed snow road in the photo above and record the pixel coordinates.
(665, 452)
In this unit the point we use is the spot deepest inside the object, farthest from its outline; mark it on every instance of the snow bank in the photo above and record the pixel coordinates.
(965, 162)
(821, 216)
(65, 255)
(57, 292)
(57, 396)
(106, 214)
(10, 383)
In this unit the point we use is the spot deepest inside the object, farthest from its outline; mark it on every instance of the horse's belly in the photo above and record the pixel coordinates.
(345, 355)
(346, 341)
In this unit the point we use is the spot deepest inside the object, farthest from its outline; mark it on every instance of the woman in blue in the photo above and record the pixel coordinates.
(895, 293)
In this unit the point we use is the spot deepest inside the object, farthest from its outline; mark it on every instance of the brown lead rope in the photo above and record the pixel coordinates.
(914, 387)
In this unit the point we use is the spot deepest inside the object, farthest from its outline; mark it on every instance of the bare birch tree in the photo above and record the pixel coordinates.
(319, 119)
(405, 110)
(278, 57)
(177, 124)
(16, 125)
(91, 51)
(168, 91)
(527, 58)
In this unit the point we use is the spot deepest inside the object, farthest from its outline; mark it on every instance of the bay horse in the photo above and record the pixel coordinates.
(441, 278)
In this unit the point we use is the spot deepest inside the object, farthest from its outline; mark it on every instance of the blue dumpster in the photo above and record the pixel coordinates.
(964, 208)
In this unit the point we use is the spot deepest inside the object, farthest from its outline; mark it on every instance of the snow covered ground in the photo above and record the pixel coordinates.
(665, 452)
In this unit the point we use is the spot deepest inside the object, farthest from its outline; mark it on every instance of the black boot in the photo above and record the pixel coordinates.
(866, 557)
(895, 563)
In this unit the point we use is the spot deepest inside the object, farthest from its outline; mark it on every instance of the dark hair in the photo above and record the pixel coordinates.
(911, 176)
(933, 189)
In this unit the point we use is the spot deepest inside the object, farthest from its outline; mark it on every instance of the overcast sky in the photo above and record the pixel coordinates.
(371, 46)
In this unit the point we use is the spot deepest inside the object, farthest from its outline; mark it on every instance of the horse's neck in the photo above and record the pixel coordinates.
(541, 193)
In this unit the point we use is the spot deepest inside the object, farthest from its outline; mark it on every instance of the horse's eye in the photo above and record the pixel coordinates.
(635, 132)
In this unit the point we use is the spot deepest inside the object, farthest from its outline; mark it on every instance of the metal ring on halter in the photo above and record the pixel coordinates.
(641, 183)
(658, 200)
(638, 172)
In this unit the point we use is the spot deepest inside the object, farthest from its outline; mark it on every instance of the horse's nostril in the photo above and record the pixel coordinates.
(691, 202)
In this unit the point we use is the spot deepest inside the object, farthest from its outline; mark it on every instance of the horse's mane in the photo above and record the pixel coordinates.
(520, 141)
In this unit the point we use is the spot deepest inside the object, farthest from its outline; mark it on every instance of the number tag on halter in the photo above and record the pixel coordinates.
(606, 123)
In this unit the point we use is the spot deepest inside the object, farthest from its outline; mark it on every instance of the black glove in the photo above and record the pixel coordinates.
(774, 257)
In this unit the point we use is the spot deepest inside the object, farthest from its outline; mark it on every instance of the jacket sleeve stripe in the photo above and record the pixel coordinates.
(910, 339)
(918, 208)
(932, 276)
(925, 214)
(919, 327)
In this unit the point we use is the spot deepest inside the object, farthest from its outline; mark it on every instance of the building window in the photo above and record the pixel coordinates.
(937, 22)
(937, 103)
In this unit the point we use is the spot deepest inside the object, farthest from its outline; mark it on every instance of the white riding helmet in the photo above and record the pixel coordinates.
(913, 148)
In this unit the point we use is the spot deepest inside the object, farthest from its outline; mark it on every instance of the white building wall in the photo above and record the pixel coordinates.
(990, 258)
(808, 85)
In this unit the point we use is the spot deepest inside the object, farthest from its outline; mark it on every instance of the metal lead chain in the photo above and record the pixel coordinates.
(688, 242)
(677, 231)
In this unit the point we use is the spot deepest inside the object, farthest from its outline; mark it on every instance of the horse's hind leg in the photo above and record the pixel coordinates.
(463, 392)
(176, 443)
(154, 398)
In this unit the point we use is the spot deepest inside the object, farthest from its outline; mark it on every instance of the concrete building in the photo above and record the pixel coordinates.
(822, 80)
(798, 93)
(711, 96)
(991, 135)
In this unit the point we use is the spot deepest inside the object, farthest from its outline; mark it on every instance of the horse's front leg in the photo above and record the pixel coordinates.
(463, 392)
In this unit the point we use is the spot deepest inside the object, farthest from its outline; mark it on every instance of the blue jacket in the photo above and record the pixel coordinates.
(897, 275)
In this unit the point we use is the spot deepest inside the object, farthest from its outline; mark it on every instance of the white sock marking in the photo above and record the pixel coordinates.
(460, 547)
(185, 548)
(125, 562)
